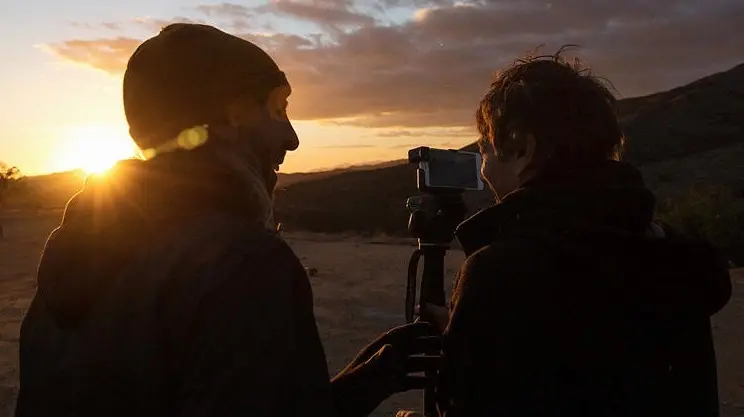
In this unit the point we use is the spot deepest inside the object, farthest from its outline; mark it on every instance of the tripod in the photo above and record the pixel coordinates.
(434, 216)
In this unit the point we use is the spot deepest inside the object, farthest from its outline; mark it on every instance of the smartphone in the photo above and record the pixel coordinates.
(449, 168)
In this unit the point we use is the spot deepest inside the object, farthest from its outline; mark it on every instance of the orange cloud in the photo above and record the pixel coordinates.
(110, 55)
(432, 70)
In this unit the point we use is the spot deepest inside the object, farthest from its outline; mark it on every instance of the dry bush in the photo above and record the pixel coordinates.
(714, 213)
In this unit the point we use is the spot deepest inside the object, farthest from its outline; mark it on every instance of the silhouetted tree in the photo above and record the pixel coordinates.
(8, 176)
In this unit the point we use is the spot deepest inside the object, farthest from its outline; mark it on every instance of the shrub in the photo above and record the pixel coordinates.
(709, 212)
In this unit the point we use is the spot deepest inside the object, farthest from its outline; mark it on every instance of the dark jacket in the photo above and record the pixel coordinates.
(567, 305)
(164, 293)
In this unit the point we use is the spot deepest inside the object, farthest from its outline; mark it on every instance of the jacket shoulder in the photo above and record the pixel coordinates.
(507, 255)
(213, 238)
(501, 266)
(199, 260)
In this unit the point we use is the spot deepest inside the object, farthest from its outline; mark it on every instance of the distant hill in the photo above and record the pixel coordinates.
(48, 191)
(690, 135)
(700, 116)
(362, 201)
(52, 191)
(286, 180)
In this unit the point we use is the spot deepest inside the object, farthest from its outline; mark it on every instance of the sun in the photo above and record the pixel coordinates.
(94, 149)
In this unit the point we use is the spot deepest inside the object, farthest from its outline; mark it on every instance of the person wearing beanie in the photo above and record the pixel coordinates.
(166, 290)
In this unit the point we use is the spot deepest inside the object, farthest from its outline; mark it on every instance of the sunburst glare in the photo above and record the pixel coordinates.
(93, 149)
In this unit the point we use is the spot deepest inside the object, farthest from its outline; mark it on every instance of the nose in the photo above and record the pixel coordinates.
(292, 142)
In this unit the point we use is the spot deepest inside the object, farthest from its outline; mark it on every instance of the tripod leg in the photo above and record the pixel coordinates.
(430, 402)
(432, 291)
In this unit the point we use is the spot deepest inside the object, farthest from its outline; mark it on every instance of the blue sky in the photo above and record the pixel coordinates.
(388, 83)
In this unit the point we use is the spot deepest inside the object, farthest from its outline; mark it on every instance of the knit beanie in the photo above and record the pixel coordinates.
(186, 75)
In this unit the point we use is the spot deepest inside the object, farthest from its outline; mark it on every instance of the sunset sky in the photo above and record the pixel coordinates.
(370, 78)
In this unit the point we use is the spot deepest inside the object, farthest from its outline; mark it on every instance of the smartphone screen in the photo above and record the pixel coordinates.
(453, 169)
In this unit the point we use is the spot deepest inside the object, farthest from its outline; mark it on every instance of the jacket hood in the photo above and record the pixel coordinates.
(605, 215)
(132, 205)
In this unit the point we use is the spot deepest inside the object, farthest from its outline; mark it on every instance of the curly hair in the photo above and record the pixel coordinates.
(571, 113)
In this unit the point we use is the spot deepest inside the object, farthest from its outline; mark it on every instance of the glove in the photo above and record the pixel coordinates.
(382, 369)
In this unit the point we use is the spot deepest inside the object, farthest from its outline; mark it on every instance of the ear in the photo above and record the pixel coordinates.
(243, 111)
(528, 150)
(525, 156)
(525, 148)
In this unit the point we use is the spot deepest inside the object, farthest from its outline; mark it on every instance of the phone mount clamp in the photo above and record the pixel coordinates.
(434, 216)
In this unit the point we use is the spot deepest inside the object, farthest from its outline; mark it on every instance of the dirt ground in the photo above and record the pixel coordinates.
(359, 293)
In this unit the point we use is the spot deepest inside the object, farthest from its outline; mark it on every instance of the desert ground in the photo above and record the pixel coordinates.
(358, 294)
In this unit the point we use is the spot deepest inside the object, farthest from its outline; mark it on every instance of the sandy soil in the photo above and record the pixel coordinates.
(358, 294)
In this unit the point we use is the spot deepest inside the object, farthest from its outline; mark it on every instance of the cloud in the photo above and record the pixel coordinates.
(148, 23)
(225, 9)
(233, 16)
(429, 133)
(432, 69)
(346, 146)
(113, 26)
(154, 25)
(330, 14)
(109, 54)
(440, 145)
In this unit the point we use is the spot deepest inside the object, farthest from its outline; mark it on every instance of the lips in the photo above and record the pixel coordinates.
(279, 161)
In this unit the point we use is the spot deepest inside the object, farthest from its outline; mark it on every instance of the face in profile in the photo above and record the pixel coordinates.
(268, 129)
(275, 129)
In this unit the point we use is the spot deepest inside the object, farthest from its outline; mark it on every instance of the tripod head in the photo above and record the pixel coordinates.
(434, 216)
(442, 176)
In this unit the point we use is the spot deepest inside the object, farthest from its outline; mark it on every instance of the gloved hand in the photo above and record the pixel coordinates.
(384, 366)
